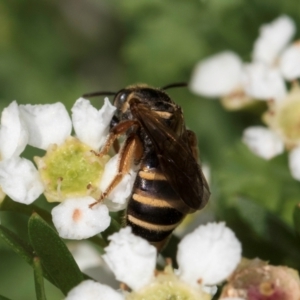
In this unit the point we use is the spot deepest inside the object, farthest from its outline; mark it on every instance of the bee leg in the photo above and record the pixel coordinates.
(115, 132)
(116, 146)
(131, 154)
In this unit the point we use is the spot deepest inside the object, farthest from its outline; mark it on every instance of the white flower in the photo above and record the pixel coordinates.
(131, 258)
(263, 141)
(208, 255)
(47, 124)
(263, 82)
(91, 290)
(13, 132)
(50, 123)
(205, 257)
(18, 177)
(289, 63)
(282, 132)
(91, 125)
(20, 180)
(273, 38)
(217, 75)
(75, 219)
(70, 171)
(294, 163)
(269, 69)
(225, 75)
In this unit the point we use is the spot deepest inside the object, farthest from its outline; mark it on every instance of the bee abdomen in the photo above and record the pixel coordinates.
(151, 210)
(155, 212)
(150, 231)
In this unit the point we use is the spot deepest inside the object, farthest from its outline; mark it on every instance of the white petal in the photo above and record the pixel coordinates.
(75, 219)
(294, 162)
(91, 126)
(217, 75)
(273, 38)
(92, 290)
(263, 83)
(290, 62)
(20, 180)
(209, 254)
(131, 258)
(117, 199)
(47, 124)
(263, 142)
(13, 132)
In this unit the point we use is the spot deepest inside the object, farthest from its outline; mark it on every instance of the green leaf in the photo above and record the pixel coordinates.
(38, 279)
(10, 205)
(54, 254)
(297, 219)
(18, 245)
(262, 233)
(21, 247)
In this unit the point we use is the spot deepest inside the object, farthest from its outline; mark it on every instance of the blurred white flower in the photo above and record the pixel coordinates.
(289, 63)
(294, 163)
(217, 75)
(263, 141)
(273, 38)
(282, 132)
(225, 75)
(19, 179)
(263, 82)
(92, 290)
(205, 257)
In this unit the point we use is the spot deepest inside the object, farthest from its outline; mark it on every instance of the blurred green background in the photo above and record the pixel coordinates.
(57, 50)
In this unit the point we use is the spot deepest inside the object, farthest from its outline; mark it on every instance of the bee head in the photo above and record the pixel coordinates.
(155, 99)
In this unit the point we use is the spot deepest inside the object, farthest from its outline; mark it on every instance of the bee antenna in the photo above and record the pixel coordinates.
(174, 85)
(95, 94)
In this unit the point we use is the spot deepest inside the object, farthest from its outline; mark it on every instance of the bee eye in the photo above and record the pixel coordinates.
(120, 99)
(123, 98)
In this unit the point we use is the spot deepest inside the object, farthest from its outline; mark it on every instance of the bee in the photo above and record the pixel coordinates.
(169, 183)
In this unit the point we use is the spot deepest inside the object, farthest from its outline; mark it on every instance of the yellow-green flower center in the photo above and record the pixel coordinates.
(70, 170)
(168, 286)
(289, 120)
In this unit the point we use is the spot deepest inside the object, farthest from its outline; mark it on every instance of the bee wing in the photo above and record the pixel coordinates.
(175, 156)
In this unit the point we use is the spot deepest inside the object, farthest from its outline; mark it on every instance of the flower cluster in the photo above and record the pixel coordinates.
(275, 65)
(70, 172)
(274, 60)
(205, 257)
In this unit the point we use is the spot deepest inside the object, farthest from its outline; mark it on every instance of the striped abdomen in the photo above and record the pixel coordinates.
(151, 210)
